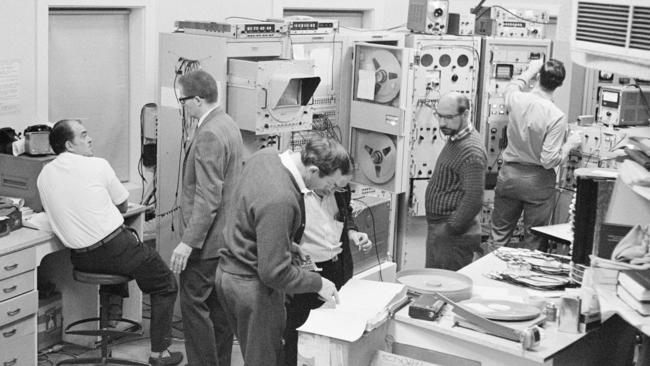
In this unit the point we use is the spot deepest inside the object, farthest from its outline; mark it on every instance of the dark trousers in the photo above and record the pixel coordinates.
(208, 338)
(298, 307)
(449, 251)
(125, 255)
(522, 188)
(256, 314)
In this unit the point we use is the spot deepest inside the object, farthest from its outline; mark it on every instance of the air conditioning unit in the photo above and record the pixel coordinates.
(612, 35)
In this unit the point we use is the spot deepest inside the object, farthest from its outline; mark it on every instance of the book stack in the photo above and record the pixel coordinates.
(634, 289)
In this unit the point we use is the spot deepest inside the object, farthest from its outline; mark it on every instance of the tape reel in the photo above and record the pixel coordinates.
(387, 75)
(377, 156)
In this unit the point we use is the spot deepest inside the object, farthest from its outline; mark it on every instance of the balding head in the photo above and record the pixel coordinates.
(453, 113)
(456, 101)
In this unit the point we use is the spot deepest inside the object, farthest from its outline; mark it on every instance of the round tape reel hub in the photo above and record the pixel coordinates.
(376, 154)
(387, 75)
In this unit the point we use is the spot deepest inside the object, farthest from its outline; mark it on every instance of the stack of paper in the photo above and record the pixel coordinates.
(38, 221)
(364, 305)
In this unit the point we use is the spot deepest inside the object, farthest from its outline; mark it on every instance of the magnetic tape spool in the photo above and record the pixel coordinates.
(387, 75)
(377, 156)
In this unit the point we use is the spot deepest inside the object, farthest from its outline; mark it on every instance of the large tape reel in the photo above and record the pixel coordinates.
(377, 156)
(387, 75)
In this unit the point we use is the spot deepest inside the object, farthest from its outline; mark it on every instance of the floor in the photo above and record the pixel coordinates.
(133, 348)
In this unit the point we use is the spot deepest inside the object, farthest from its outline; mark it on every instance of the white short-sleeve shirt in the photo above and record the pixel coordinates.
(79, 195)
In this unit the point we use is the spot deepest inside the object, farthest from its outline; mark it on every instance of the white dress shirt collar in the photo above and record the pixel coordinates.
(288, 163)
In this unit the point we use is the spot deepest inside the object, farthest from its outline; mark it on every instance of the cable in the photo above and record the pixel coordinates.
(374, 237)
(515, 15)
(372, 30)
(478, 6)
(245, 18)
(183, 66)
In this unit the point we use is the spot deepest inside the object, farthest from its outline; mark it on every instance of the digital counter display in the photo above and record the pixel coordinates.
(304, 26)
(259, 28)
(514, 24)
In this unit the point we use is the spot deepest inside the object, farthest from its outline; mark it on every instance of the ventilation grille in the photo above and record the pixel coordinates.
(602, 23)
(640, 33)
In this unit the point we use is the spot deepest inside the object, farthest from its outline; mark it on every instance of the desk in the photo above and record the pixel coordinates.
(22, 251)
(561, 233)
(451, 345)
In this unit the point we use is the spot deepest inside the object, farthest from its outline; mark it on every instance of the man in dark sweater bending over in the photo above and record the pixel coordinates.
(454, 195)
(255, 270)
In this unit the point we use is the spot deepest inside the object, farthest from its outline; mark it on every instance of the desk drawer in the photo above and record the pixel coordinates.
(17, 262)
(18, 308)
(17, 285)
(19, 352)
(15, 330)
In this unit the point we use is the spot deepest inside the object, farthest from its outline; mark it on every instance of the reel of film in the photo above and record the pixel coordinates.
(377, 156)
(387, 74)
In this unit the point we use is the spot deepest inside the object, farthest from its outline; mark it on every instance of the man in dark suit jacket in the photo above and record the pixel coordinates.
(211, 167)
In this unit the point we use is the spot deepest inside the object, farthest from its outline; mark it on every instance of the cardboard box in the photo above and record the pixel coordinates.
(50, 320)
(319, 350)
(389, 359)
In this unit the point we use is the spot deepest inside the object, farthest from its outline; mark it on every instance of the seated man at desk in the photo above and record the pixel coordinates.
(83, 198)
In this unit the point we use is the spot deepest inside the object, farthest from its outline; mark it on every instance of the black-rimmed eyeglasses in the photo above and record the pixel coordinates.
(447, 116)
(184, 99)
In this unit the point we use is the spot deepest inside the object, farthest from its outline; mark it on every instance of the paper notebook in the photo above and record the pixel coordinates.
(364, 305)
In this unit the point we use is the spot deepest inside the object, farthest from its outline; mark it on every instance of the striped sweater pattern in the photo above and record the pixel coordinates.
(455, 191)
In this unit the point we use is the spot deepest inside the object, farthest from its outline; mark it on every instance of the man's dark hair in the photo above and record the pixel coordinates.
(552, 74)
(463, 103)
(199, 83)
(61, 133)
(327, 155)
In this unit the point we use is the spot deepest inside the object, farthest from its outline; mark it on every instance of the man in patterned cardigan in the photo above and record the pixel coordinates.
(454, 195)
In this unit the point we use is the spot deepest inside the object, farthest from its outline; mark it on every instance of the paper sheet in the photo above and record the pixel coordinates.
(38, 221)
(366, 84)
(361, 302)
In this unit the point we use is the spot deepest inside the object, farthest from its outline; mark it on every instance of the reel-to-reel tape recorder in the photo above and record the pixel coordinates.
(394, 131)
(378, 116)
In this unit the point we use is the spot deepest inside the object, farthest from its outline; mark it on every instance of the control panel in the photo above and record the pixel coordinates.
(428, 16)
(624, 105)
(234, 30)
(512, 23)
(503, 59)
(312, 26)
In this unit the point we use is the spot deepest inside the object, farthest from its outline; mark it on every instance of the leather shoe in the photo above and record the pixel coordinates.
(173, 359)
